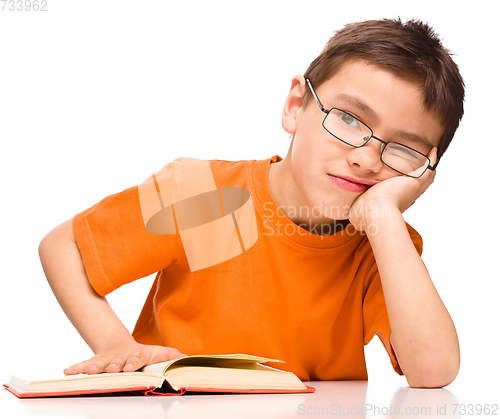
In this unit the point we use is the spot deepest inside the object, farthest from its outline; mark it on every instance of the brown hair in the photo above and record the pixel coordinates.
(410, 50)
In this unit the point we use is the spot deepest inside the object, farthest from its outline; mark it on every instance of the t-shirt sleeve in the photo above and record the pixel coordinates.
(127, 236)
(375, 317)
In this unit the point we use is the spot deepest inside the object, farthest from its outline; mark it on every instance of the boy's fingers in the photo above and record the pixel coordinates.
(116, 365)
(172, 353)
(160, 354)
(134, 362)
(70, 370)
(131, 363)
(91, 366)
(433, 156)
(94, 368)
(77, 368)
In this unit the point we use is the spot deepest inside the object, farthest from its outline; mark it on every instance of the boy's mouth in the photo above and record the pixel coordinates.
(352, 184)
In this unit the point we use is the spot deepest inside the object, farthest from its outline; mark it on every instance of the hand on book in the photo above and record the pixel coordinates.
(229, 373)
(127, 358)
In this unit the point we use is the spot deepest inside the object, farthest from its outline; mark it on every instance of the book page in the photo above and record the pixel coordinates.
(207, 360)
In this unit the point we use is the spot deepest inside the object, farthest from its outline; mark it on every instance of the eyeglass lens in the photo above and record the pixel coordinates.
(354, 132)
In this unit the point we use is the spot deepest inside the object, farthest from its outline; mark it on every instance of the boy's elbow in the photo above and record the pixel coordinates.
(433, 377)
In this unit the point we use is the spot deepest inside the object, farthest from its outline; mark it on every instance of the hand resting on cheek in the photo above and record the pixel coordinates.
(394, 194)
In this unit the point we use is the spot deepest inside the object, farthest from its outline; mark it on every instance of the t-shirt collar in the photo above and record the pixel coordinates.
(279, 223)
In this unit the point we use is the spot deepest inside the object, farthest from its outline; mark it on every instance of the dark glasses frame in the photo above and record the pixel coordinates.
(368, 138)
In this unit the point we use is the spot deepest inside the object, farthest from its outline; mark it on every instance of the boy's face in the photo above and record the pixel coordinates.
(330, 174)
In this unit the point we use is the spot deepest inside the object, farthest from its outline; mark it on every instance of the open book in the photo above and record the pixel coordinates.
(237, 373)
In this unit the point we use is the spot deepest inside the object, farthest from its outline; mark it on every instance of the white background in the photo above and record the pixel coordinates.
(97, 95)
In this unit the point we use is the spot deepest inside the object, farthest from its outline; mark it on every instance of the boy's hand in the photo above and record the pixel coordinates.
(115, 348)
(128, 358)
(393, 194)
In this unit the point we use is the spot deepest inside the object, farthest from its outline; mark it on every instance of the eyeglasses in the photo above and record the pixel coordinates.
(350, 130)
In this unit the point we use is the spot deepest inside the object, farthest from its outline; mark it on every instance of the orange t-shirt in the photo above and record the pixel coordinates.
(234, 273)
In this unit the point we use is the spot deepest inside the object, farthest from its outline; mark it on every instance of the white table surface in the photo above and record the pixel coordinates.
(360, 399)
(76, 108)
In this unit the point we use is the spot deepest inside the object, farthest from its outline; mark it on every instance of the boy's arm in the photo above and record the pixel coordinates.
(423, 334)
(92, 316)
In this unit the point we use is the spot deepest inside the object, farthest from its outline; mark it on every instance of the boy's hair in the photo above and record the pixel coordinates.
(410, 50)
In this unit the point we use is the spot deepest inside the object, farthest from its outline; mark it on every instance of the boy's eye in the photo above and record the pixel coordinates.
(349, 120)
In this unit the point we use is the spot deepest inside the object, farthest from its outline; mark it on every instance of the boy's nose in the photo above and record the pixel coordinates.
(367, 158)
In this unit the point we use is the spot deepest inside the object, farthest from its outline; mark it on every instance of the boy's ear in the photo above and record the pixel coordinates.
(293, 104)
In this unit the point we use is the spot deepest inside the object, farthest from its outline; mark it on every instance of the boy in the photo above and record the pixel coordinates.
(303, 259)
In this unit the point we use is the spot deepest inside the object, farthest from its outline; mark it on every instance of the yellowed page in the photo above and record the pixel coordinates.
(207, 360)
